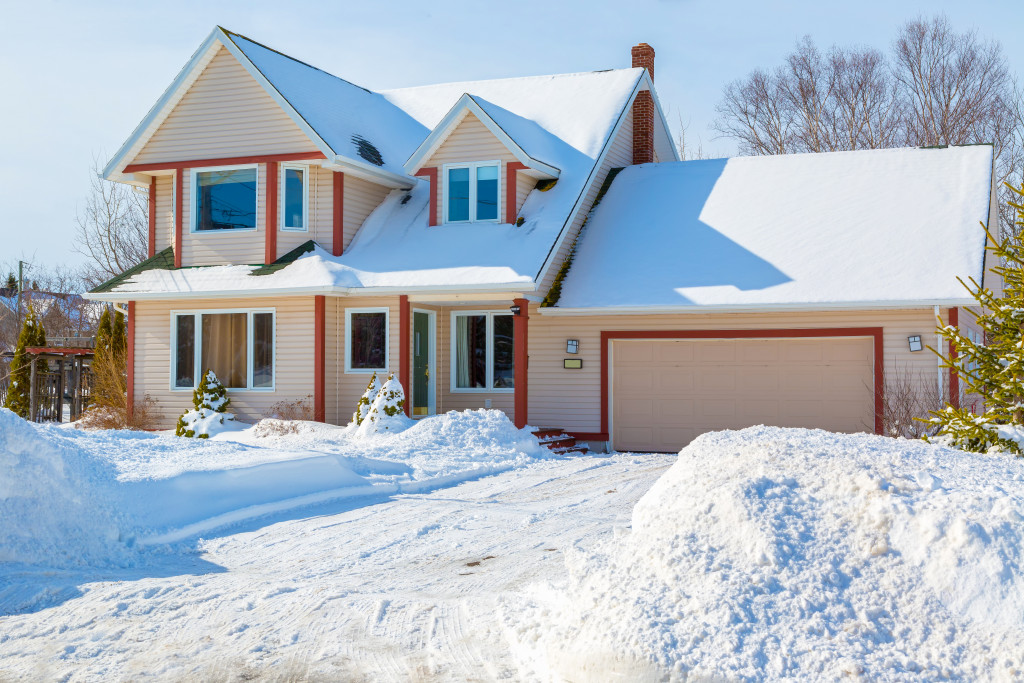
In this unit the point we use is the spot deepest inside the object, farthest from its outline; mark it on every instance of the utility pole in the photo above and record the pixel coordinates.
(21, 286)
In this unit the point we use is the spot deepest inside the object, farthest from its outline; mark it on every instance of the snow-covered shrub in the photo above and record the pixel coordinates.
(210, 401)
(386, 413)
(366, 400)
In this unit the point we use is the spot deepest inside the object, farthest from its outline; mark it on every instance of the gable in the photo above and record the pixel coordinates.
(470, 141)
(225, 113)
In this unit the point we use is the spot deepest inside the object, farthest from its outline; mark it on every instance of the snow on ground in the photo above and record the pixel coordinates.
(795, 554)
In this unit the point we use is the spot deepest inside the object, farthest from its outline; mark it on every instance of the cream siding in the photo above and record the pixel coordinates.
(620, 154)
(321, 215)
(293, 347)
(334, 363)
(223, 247)
(225, 113)
(471, 141)
(361, 198)
(164, 212)
(572, 398)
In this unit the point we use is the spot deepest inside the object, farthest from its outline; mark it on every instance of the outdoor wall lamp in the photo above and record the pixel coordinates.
(915, 342)
(514, 308)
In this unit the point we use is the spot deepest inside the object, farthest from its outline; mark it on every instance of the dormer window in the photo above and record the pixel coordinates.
(225, 198)
(471, 192)
(294, 198)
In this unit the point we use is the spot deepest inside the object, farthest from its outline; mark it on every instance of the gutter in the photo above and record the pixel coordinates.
(557, 311)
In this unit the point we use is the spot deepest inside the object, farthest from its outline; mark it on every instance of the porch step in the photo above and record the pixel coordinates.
(557, 441)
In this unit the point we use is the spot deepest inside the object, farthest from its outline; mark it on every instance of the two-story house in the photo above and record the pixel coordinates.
(532, 245)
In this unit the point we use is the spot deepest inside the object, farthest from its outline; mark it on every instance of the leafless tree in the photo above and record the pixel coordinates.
(112, 229)
(688, 152)
(937, 87)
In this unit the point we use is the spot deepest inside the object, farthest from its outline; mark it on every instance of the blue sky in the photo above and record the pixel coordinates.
(78, 76)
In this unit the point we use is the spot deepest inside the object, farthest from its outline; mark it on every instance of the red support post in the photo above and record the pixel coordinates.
(130, 361)
(520, 343)
(431, 175)
(319, 358)
(511, 170)
(954, 378)
(404, 371)
(338, 241)
(152, 216)
(271, 223)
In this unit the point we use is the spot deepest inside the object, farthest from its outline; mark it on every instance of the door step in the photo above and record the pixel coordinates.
(558, 441)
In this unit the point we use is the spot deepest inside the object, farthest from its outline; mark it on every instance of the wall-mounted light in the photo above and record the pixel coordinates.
(514, 308)
(572, 345)
(572, 363)
(914, 341)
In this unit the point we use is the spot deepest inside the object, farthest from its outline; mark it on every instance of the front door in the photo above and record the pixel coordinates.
(422, 363)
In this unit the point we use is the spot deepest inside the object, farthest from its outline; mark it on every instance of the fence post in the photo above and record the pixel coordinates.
(32, 392)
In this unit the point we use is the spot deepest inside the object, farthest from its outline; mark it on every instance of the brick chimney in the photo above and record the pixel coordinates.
(643, 108)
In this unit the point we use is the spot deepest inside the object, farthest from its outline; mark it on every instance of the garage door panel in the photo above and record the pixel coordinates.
(667, 392)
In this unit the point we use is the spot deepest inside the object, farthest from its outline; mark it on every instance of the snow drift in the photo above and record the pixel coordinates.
(52, 504)
(786, 553)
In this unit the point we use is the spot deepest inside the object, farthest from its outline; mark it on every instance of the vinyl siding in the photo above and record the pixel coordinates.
(321, 215)
(164, 212)
(223, 247)
(293, 371)
(225, 113)
(361, 198)
(572, 398)
(620, 154)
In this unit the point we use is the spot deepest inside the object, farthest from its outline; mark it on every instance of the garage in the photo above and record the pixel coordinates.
(665, 392)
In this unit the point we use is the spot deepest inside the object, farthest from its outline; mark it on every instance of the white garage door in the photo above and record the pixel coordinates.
(667, 392)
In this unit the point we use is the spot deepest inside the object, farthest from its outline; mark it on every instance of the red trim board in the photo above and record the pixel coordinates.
(152, 216)
(270, 237)
(430, 173)
(222, 161)
(521, 359)
(874, 332)
(319, 358)
(404, 325)
(510, 189)
(338, 240)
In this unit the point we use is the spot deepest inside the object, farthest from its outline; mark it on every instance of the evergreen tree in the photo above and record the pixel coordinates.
(12, 282)
(109, 368)
(366, 400)
(118, 334)
(994, 368)
(210, 403)
(18, 391)
(103, 333)
(386, 413)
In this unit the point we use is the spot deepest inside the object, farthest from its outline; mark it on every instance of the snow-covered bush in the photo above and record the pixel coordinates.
(366, 400)
(386, 413)
(210, 402)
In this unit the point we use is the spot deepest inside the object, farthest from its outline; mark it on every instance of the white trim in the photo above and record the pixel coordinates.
(349, 370)
(472, 166)
(193, 214)
(431, 360)
(753, 308)
(197, 370)
(282, 170)
(489, 367)
(451, 121)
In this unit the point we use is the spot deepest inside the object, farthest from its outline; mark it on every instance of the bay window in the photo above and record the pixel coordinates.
(237, 345)
(294, 197)
(224, 198)
(471, 192)
(366, 340)
(483, 352)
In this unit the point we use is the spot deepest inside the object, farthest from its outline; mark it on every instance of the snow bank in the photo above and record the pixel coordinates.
(53, 503)
(784, 553)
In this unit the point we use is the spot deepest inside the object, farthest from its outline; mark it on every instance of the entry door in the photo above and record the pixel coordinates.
(423, 371)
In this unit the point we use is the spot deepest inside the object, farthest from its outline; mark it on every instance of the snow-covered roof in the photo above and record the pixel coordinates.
(803, 230)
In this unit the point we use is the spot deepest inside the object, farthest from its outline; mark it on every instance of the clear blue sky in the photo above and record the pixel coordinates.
(77, 76)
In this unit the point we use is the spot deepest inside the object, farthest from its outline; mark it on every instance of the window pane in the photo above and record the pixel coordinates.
(504, 353)
(226, 200)
(224, 348)
(471, 351)
(263, 350)
(185, 354)
(458, 194)
(294, 196)
(486, 193)
(368, 339)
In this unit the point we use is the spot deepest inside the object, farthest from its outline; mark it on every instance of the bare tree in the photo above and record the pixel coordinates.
(938, 87)
(113, 229)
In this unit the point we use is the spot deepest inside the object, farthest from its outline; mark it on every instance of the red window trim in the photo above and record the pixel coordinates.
(511, 170)
(797, 333)
(270, 238)
(430, 173)
(338, 239)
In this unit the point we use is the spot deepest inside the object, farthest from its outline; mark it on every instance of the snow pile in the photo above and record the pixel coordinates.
(53, 503)
(784, 553)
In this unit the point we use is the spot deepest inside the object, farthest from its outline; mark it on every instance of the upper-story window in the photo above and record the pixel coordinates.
(294, 197)
(224, 198)
(471, 192)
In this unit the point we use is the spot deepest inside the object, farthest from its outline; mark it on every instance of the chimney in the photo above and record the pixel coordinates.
(643, 108)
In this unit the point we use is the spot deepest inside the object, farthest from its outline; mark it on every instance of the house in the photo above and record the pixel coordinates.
(532, 245)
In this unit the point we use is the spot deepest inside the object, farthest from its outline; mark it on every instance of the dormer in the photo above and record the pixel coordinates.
(481, 162)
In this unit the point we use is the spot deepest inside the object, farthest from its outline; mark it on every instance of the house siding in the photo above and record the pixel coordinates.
(571, 399)
(321, 216)
(164, 212)
(361, 198)
(223, 247)
(293, 369)
(225, 113)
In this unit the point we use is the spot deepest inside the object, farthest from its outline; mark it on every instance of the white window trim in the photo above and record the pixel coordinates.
(198, 348)
(194, 197)
(282, 223)
(453, 373)
(349, 370)
(472, 166)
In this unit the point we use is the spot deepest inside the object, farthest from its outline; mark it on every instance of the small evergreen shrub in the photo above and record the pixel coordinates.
(210, 402)
(366, 400)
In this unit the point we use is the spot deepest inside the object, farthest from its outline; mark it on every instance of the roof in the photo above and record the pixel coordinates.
(162, 260)
(883, 227)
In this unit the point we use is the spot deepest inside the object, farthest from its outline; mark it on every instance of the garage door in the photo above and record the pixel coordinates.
(667, 392)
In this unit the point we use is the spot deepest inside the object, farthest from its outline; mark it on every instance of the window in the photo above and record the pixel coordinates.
(483, 352)
(471, 193)
(366, 339)
(237, 345)
(294, 198)
(224, 199)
